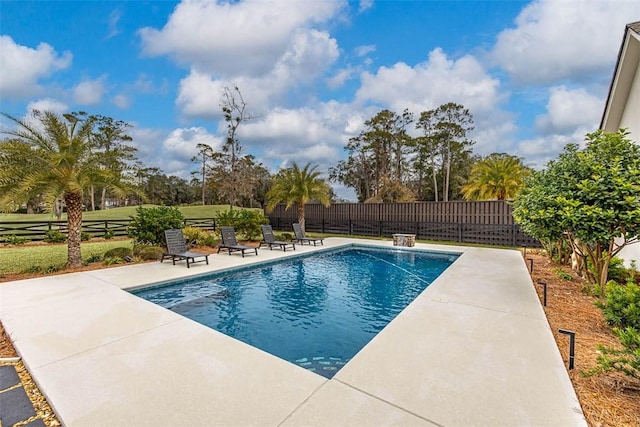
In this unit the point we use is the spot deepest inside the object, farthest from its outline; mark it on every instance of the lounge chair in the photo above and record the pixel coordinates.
(301, 238)
(230, 243)
(269, 239)
(177, 249)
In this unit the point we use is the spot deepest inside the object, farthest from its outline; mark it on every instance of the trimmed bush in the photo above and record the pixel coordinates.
(148, 252)
(149, 224)
(15, 240)
(121, 252)
(246, 222)
(84, 236)
(55, 236)
(195, 236)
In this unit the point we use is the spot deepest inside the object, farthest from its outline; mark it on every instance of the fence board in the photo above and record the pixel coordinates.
(487, 222)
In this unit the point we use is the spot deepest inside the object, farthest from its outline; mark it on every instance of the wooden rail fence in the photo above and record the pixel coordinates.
(37, 230)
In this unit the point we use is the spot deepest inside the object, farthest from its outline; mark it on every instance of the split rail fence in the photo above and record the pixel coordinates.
(489, 223)
(37, 230)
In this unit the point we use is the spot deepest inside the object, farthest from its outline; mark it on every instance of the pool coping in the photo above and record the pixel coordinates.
(474, 348)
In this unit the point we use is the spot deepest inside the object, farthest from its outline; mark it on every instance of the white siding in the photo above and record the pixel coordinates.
(631, 114)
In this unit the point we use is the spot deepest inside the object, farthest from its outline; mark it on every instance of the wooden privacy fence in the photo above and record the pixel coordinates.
(37, 230)
(465, 222)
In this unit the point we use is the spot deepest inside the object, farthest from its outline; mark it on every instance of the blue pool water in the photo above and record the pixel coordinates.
(317, 310)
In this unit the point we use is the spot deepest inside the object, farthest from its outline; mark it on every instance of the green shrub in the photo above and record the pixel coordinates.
(621, 305)
(211, 240)
(149, 224)
(55, 236)
(246, 222)
(15, 240)
(84, 236)
(626, 360)
(120, 252)
(195, 236)
(617, 271)
(285, 237)
(108, 234)
(148, 252)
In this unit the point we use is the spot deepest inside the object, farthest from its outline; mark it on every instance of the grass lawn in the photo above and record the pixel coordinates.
(207, 211)
(16, 259)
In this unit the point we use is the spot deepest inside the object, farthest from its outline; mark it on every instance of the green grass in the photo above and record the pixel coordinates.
(207, 211)
(16, 259)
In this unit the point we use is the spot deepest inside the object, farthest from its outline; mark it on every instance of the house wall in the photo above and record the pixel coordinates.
(630, 120)
(631, 115)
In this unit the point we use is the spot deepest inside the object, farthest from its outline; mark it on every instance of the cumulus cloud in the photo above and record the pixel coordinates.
(22, 67)
(314, 134)
(537, 152)
(569, 110)
(199, 32)
(89, 92)
(340, 78)
(179, 146)
(432, 83)
(308, 54)
(558, 39)
(48, 104)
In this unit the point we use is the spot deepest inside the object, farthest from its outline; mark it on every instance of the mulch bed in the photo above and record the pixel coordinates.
(608, 400)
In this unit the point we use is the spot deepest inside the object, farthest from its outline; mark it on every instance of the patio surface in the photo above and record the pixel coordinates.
(474, 349)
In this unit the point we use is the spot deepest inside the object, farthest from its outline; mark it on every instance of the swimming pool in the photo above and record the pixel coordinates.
(314, 310)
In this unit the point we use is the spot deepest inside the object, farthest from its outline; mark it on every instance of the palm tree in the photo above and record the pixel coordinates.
(497, 176)
(53, 156)
(298, 186)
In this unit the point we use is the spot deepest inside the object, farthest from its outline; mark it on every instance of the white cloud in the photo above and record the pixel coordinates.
(315, 134)
(179, 147)
(144, 84)
(22, 67)
(89, 92)
(432, 83)
(247, 37)
(121, 101)
(113, 23)
(560, 39)
(48, 104)
(537, 152)
(365, 5)
(147, 141)
(569, 110)
(340, 78)
(365, 50)
(310, 52)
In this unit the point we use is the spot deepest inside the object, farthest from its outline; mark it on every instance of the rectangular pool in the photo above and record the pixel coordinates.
(315, 310)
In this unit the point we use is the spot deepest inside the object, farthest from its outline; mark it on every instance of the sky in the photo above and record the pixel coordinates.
(534, 74)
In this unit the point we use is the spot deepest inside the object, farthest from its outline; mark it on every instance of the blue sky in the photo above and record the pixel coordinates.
(534, 74)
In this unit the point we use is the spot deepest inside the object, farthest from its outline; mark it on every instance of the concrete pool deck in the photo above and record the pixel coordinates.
(474, 349)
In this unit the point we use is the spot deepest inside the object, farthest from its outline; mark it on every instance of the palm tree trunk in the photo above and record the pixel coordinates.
(74, 224)
(301, 215)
